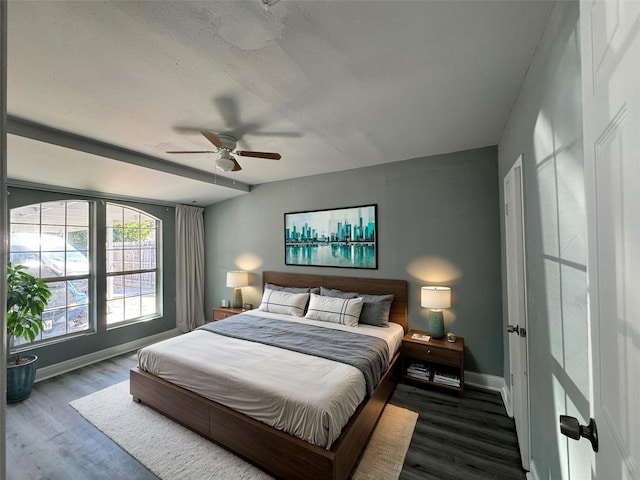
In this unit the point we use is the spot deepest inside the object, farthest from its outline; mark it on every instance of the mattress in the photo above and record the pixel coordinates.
(309, 397)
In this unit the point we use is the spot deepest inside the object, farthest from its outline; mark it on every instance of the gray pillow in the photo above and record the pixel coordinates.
(279, 288)
(332, 292)
(375, 309)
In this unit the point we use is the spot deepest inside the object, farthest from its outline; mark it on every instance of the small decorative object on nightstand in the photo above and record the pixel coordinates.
(220, 313)
(432, 361)
(435, 298)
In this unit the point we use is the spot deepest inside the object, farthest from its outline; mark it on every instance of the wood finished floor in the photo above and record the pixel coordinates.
(469, 438)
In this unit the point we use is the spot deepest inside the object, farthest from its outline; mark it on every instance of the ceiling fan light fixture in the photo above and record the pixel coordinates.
(225, 162)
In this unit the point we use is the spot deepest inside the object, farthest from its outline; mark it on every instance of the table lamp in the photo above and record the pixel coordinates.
(236, 280)
(435, 298)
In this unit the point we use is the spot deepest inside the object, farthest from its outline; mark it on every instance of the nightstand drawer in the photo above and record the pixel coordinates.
(220, 313)
(431, 353)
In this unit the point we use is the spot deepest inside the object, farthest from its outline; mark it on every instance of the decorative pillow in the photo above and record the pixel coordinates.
(288, 303)
(332, 292)
(345, 311)
(278, 288)
(375, 308)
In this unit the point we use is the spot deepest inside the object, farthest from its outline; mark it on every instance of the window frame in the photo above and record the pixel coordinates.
(97, 306)
(89, 276)
(158, 270)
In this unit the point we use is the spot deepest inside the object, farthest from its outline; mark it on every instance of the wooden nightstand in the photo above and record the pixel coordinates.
(435, 362)
(220, 313)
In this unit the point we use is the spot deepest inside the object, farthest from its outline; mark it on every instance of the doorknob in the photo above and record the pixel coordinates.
(570, 427)
(517, 330)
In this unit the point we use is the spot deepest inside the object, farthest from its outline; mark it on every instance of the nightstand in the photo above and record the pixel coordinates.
(435, 362)
(220, 313)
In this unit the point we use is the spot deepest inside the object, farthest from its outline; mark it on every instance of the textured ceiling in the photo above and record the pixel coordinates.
(330, 85)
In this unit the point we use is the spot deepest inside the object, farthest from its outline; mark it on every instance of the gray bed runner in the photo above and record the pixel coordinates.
(368, 354)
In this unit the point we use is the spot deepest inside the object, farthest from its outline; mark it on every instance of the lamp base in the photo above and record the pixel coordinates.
(236, 301)
(435, 323)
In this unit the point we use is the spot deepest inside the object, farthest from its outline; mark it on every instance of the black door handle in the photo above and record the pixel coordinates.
(520, 331)
(570, 426)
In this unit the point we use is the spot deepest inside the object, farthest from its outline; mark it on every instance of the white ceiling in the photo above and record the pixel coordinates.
(330, 85)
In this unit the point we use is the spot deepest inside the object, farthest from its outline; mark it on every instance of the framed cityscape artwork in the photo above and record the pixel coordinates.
(339, 237)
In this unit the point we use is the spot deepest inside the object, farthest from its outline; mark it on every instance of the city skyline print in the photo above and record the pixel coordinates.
(339, 237)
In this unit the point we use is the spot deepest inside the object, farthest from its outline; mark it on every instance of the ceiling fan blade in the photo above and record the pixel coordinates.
(264, 133)
(213, 138)
(267, 155)
(237, 166)
(191, 152)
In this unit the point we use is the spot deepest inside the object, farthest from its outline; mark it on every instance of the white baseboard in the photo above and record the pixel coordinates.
(75, 363)
(533, 473)
(508, 402)
(490, 382)
(484, 381)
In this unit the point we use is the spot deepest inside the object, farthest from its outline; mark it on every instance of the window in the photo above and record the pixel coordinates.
(52, 240)
(132, 269)
(55, 240)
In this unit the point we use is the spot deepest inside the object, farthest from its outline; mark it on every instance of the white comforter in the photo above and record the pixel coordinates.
(309, 397)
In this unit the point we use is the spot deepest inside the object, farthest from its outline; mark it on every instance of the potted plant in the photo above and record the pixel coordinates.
(26, 300)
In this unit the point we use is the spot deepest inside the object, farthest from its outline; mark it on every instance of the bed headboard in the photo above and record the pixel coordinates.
(371, 286)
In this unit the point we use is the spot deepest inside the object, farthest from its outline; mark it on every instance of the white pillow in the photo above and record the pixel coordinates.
(288, 303)
(345, 311)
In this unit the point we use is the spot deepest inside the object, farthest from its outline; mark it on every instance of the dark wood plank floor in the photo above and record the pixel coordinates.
(47, 439)
(469, 438)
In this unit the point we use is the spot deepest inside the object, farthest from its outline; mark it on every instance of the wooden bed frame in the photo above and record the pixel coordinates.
(274, 451)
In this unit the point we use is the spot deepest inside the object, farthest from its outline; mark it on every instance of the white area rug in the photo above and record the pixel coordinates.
(171, 451)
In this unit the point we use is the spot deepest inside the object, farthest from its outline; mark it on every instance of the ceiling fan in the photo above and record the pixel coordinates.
(226, 145)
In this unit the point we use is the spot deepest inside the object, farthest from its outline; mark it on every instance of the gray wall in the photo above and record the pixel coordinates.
(101, 339)
(546, 128)
(438, 223)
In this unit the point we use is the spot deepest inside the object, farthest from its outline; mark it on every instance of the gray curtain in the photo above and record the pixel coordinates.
(189, 267)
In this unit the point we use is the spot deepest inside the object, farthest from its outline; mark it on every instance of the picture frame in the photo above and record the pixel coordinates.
(337, 237)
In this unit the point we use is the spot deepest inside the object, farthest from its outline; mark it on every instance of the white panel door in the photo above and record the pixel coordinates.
(516, 307)
(611, 108)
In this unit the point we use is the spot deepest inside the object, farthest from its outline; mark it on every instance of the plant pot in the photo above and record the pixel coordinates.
(20, 379)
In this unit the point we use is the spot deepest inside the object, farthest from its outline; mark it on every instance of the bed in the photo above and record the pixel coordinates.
(282, 454)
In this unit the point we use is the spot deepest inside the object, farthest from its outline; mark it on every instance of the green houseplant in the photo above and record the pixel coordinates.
(27, 298)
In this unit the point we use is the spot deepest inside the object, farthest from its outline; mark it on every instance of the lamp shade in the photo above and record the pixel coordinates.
(225, 164)
(435, 297)
(237, 279)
